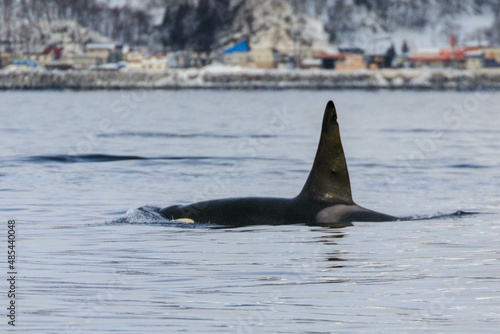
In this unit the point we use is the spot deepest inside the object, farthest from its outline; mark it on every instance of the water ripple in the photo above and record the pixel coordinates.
(181, 135)
(83, 158)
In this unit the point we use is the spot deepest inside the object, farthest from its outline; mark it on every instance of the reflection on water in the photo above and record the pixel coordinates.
(91, 261)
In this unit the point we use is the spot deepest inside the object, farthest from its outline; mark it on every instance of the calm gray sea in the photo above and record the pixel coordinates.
(75, 167)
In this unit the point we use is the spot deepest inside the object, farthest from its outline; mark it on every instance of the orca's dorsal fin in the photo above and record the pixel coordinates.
(329, 178)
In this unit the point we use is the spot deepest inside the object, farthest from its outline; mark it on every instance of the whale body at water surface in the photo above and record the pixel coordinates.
(325, 199)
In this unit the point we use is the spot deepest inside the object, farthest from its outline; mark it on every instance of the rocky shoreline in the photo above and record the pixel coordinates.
(219, 77)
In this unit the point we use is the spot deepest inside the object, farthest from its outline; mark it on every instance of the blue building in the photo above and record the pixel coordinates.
(238, 47)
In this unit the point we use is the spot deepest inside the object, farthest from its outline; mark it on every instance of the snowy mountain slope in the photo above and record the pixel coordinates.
(421, 27)
(206, 25)
(274, 24)
(370, 24)
(67, 33)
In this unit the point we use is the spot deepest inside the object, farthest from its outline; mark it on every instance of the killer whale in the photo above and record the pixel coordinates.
(325, 199)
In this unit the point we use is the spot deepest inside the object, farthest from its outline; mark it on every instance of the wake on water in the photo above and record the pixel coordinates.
(150, 215)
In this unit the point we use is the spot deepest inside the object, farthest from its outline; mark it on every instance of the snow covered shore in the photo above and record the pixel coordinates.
(219, 77)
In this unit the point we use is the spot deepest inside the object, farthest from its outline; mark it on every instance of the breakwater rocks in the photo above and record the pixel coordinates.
(219, 77)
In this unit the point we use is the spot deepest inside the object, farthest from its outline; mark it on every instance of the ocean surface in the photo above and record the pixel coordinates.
(83, 173)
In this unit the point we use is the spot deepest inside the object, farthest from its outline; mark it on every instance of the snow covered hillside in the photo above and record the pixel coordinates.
(35, 37)
(205, 25)
(274, 24)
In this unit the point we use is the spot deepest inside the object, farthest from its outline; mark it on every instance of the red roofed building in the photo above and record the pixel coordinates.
(440, 58)
(56, 52)
(328, 60)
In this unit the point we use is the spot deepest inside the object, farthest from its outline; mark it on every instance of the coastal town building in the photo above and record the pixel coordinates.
(19, 65)
(311, 63)
(188, 59)
(328, 60)
(41, 59)
(375, 61)
(104, 53)
(237, 55)
(155, 63)
(345, 60)
(491, 57)
(439, 58)
(351, 62)
(474, 60)
(237, 59)
(134, 60)
(464, 57)
(261, 58)
(138, 60)
(78, 60)
(5, 59)
(56, 52)
(199, 59)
